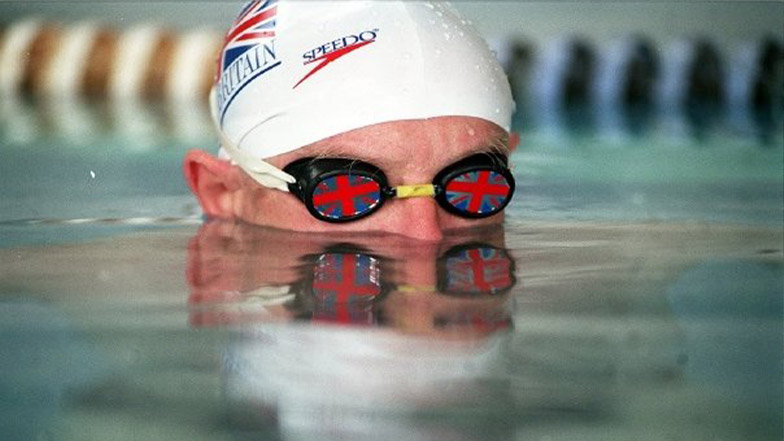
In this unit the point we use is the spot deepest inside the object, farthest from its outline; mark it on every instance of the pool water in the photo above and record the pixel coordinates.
(635, 292)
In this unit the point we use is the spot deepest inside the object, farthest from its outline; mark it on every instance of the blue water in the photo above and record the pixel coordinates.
(634, 293)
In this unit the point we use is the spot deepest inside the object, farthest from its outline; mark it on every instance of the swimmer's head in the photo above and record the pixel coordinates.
(408, 86)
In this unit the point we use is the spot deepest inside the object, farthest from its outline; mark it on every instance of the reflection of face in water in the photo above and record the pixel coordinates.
(456, 288)
(288, 367)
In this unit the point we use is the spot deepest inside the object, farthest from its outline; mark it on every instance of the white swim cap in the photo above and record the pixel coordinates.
(294, 72)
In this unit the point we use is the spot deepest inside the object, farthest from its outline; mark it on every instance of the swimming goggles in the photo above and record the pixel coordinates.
(342, 190)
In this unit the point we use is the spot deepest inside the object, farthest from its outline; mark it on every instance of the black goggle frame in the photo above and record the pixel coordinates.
(310, 173)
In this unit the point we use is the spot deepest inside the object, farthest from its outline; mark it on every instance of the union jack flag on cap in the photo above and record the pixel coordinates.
(254, 24)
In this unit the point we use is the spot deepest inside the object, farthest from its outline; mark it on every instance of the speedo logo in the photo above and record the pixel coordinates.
(331, 51)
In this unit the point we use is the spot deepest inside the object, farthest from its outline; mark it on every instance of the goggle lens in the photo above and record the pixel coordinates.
(478, 193)
(346, 196)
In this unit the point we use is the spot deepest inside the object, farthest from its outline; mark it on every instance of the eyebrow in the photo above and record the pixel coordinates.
(497, 144)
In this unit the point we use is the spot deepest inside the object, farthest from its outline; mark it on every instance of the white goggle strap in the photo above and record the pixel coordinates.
(262, 172)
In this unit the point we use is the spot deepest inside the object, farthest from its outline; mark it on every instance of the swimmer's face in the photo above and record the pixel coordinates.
(408, 152)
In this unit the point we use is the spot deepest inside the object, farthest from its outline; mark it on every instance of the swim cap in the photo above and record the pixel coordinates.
(294, 72)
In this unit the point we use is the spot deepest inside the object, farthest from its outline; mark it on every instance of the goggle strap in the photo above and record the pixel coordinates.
(262, 172)
(415, 191)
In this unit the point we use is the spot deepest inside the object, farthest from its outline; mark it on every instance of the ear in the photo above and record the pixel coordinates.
(213, 181)
(514, 141)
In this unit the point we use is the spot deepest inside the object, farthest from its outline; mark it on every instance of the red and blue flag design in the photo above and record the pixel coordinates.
(481, 191)
(254, 24)
(479, 270)
(344, 288)
(346, 195)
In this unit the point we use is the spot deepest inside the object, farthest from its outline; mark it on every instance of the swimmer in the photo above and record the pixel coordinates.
(385, 116)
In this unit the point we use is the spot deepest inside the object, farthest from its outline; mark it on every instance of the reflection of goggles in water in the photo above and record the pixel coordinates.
(347, 285)
(341, 190)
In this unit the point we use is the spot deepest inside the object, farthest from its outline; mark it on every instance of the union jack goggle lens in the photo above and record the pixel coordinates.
(341, 190)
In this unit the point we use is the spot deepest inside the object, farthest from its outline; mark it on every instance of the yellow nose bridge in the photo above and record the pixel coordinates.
(415, 191)
(415, 288)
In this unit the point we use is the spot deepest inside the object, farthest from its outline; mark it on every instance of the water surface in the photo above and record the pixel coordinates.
(634, 293)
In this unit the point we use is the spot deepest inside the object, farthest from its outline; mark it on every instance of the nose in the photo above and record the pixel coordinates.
(417, 218)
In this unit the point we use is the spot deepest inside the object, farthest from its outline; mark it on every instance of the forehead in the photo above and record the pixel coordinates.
(438, 141)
